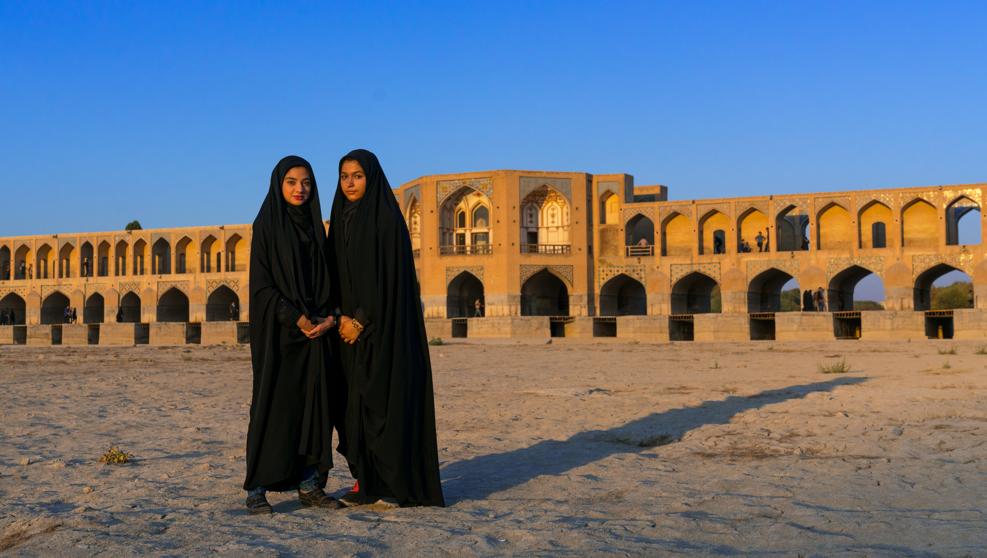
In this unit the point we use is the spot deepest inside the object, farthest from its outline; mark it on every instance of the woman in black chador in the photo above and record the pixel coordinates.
(390, 414)
(298, 397)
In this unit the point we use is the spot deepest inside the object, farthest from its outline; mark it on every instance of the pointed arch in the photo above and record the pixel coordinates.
(13, 303)
(751, 226)
(623, 296)
(919, 224)
(462, 293)
(140, 256)
(544, 294)
(765, 292)
(184, 255)
(223, 304)
(841, 292)
(66, 256)
(545, 221)
(53, 308)
(676, 235)
(713, 227)
(696, 293)
(161, 257)
(833, 228)
(130, 308)
(101, 263)
(6, 264)
(44, 266)
(639, 236)
(173, 306)
(209, 251)
(791, 229)
(120, 258)
(957, 294)
(609, 208)
(963, 222)
(236, 248)
(22, 261)
(93, 310)
(873, 223)
(87, 260)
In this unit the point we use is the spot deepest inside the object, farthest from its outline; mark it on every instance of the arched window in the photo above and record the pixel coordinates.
(481, 217)
(461, 220)
(879, 235)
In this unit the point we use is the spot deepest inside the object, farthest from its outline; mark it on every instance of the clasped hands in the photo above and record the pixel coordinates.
(316, 327)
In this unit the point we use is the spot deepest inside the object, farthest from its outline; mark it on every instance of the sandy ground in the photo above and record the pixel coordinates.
(560, 449)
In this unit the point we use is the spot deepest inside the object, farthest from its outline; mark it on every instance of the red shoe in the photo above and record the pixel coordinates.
(352, 498)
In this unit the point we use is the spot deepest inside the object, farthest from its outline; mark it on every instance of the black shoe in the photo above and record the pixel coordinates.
(351, 499)
(258, 505)
(319, 499)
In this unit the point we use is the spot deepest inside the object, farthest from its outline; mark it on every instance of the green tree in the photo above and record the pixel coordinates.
(134, 225)
(957, 295)
(867, 305)
(791, 300)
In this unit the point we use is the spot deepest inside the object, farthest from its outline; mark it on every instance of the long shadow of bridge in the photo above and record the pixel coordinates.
(479, 477)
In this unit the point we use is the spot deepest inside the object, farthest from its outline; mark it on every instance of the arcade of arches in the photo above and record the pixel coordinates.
(529, 243)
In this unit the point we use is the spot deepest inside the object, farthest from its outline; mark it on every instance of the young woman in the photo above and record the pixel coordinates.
(390, 416)
(298, 397)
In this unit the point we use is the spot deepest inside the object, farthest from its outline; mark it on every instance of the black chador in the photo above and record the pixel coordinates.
(298, 396)
(390, 416)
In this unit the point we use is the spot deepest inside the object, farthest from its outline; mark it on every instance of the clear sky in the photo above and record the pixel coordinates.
(174, 113)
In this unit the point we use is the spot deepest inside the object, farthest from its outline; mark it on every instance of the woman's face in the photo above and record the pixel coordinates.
(353, 180)
(296, 186)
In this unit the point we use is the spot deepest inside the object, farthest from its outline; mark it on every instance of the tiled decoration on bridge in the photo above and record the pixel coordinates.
(628, 213)
(409, 194)
(665, 211)
(449, 187)
(128, 287)
(922, 262)
(163, 286)
(453, 272)
(19, 291)
(529, 184)
(608, 272)
(874, 264)
(564, 271)
(709, 269)
(788, 265)
(213, 284)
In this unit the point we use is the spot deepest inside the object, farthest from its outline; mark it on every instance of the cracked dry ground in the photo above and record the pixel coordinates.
(560, 449)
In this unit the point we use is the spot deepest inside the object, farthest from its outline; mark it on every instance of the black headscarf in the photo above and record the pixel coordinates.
(296, 392)
(390, 418)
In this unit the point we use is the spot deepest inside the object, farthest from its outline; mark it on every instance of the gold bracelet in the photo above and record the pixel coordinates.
(356, 324)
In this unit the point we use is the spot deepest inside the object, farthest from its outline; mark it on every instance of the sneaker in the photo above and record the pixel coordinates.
(319, 499)
(258, 505)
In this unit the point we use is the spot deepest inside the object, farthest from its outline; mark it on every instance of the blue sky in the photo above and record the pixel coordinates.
(174, 113)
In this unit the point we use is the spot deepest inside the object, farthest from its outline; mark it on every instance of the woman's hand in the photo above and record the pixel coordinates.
(305, 324)
(347, 331)
(322, 325)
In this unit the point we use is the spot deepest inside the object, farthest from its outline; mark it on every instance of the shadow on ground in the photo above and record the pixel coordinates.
(479, 477)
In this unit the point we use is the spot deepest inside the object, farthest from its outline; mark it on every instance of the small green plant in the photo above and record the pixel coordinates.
(982, 350)
(436, 341)
(946, 365)
(838, 367)
(949, 351)
(115, 456)
(716, 365)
